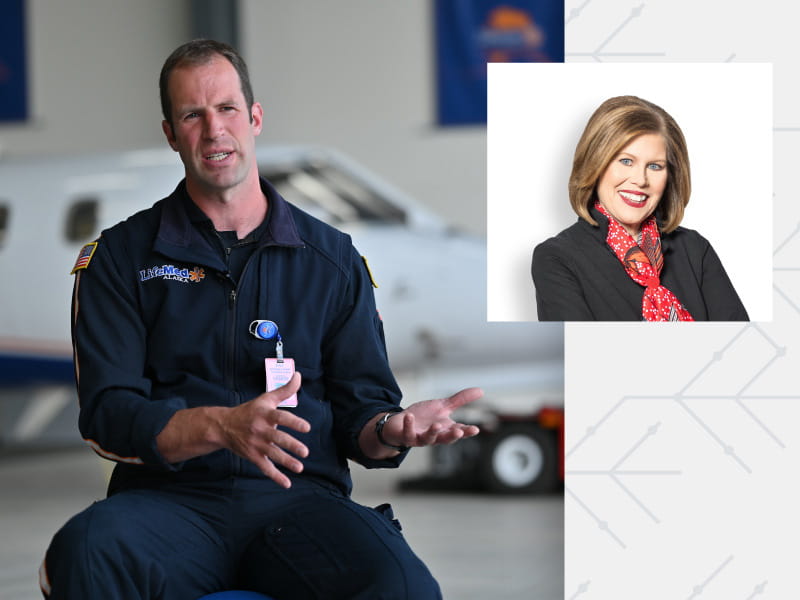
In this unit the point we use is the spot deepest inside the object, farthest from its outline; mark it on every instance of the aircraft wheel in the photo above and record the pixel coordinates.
(520, 458)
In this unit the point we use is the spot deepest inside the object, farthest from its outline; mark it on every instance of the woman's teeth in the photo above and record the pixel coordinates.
(640, 198)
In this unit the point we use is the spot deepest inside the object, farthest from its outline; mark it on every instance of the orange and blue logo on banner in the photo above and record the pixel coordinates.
(471, 33)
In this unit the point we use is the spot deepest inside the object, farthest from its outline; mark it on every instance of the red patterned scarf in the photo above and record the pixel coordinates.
(643, 261)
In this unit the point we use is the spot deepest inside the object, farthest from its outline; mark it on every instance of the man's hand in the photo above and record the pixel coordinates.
(422, 424)
(249, 430)
(429, 422)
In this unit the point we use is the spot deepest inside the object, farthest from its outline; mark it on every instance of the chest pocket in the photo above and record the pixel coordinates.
(181, 307)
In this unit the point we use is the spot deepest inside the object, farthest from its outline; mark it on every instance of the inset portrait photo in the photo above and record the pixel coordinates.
(629, 192)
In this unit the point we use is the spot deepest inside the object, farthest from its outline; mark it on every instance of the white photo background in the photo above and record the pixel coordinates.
(536, 115)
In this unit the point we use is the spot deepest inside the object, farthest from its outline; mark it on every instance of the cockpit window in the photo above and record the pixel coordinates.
(80, 224)
(331, 194)
(4, 212)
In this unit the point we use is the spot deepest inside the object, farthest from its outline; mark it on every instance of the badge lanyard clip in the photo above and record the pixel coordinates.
(279, 349)
(263, 329)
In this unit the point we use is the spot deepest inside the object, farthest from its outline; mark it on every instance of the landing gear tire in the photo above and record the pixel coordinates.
(520, 459)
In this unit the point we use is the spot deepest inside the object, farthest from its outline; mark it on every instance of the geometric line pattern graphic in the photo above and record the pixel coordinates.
(762, 343)
(575, 12)
(699, 589)
(788, 260)
(601, 524)
(687, 402)
(598, 54)
(618, 475)
(582, 588)
(758, 590)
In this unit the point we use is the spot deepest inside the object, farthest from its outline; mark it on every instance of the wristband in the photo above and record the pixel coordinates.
(379, 431)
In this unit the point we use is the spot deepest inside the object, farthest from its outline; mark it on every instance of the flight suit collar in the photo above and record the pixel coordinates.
(179, 235)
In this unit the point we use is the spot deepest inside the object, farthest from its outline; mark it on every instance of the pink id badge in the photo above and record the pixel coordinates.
(279, 372)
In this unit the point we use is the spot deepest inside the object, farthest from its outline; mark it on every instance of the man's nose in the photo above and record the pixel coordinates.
(212, 125)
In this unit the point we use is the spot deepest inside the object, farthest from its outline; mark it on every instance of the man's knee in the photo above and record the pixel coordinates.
(396, 577)
(92, 553)
(340, 550)
(89, 535)
(66, 558)
(380, 577)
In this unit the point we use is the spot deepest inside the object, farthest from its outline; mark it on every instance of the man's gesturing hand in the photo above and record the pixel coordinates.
(251, 431)
(423, 424)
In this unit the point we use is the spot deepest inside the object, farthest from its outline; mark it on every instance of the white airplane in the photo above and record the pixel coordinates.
(431, 294)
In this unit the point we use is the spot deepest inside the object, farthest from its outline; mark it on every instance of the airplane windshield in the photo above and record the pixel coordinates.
(331, 195)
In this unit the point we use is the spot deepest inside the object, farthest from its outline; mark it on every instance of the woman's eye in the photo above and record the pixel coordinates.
(655, 166)
(626, 161)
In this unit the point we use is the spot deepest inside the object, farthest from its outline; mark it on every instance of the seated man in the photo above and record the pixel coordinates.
(180, 315)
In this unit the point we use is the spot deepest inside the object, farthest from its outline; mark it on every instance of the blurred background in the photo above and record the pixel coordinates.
(374, 121)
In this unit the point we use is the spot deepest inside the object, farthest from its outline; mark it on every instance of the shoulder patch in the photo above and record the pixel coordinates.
(84, 257)
(371, 278)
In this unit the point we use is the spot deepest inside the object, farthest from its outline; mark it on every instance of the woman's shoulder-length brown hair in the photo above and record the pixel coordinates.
(614, 124)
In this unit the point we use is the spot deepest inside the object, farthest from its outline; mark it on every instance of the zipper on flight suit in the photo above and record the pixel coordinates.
(230, 367)
(233, 294)
(229, 350)
(229, 362)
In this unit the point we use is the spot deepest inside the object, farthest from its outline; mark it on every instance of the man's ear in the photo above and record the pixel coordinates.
(167, 129)
(257, 117)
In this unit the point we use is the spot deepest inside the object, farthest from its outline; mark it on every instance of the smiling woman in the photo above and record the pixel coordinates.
(627, 258)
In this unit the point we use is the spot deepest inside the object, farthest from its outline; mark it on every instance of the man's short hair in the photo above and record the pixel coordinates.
(200, 52)
(614, 125)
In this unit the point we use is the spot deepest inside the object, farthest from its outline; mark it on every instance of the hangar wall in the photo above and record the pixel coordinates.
(358, 75)
(93, 72)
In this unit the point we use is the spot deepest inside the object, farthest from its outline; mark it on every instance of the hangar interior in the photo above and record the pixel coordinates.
(354, 76)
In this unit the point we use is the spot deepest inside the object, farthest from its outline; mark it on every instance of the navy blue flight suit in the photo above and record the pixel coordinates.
(162, 314)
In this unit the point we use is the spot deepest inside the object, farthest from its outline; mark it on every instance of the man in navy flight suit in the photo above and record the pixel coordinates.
(219, 484)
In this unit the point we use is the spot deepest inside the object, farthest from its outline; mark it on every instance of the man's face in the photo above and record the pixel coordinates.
(212, 129)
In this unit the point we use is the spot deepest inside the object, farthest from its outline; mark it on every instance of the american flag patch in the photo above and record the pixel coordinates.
(84, 256)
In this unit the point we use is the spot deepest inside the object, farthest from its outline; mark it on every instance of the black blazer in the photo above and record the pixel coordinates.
(578, 277)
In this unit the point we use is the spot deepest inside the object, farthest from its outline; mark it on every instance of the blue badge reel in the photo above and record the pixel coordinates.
(263, 329)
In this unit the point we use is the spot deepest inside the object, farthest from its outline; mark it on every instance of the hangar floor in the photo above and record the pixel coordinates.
(477, 546)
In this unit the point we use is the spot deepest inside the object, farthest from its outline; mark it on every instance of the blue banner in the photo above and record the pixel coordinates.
(13, 67)
(471, 33)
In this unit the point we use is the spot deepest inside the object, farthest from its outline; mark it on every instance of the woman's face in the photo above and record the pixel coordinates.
(631, 186)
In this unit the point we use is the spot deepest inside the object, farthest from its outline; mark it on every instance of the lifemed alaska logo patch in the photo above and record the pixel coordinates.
(184, 275)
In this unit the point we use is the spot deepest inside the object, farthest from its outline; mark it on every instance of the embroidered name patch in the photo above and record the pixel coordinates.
(184, 275)
(84, 257)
